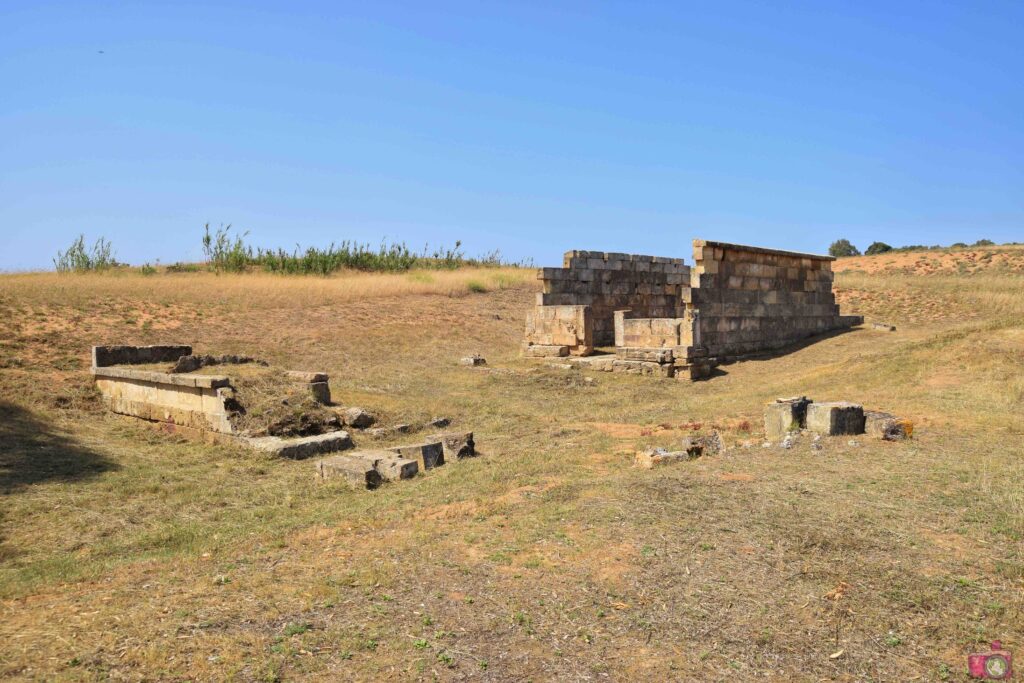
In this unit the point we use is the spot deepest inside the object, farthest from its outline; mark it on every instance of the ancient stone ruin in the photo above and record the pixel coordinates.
(665, 318)
(284, 413)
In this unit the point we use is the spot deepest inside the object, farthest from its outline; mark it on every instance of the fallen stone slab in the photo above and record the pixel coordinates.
(439, 422)
(473, 361)
(835, 418)
(885, 327)
(389, 466)
(358, 472)
(427, 455)
(389, 431)
(659, 457)
(308, 377)
(785, 415)
(887, 426)
(545, 351)
(302, 447)
(456, 445)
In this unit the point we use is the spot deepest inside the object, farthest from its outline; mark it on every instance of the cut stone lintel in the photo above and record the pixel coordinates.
(697, 244)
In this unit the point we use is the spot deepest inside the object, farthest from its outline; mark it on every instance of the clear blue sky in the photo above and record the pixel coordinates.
(526, 127)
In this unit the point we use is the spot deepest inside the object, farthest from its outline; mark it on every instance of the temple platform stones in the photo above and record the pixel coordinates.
(242, 400)
(667, 319)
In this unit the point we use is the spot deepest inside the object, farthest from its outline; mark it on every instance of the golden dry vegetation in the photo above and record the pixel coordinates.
(129, 555)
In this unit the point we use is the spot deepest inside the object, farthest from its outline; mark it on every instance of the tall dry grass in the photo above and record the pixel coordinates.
(256, 289)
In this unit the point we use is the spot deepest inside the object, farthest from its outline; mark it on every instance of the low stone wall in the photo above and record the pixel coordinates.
(751, 299)
(105, 356)
(194, 401)
(650, 286)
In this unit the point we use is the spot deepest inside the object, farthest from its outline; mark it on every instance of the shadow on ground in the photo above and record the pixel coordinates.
(31, 452)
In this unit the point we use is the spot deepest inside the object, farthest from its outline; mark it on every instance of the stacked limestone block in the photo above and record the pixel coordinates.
(658, 346)
(559, 331)
(649, 286)
(752, 299)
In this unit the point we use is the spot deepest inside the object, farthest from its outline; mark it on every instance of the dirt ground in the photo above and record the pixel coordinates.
(126, 554)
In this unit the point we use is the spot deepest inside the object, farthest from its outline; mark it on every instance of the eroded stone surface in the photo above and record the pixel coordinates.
(835, 418)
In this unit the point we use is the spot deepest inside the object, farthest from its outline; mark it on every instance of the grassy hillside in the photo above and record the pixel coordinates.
(127, 554)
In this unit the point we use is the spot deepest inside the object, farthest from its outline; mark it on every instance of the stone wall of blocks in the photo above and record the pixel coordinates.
(652, 333)
(649, 286)
(751, 299)
(570, 326)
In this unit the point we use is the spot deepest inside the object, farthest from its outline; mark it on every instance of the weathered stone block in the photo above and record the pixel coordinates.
(456, 445)
(358, 418)
(835, 418)
(389, 466)
(887, 426)
(358, 472)
(785, 415)
(473, 361)
(427, 455)
(321, 392)
(545, 351)
(302, 447)
(303, 376)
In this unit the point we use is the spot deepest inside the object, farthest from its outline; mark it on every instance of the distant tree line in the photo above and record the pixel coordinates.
(843, 247)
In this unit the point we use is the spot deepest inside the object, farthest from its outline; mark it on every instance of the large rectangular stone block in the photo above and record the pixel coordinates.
(358, 472)
(835, 418)
(785, 415)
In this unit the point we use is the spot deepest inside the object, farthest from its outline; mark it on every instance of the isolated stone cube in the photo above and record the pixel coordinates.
(835, 418)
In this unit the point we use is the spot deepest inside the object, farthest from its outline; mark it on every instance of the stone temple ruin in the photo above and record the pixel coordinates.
(283, 413)
(665, 318)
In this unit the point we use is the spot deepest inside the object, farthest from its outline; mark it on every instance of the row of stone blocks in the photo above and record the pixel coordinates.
(837, 418)
(758, 284)
(673, 286)
(613, 301)
(370, 468)
(683, 363)
(706, 251)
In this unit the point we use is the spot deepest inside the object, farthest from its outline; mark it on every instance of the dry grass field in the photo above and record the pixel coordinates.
(126, 554)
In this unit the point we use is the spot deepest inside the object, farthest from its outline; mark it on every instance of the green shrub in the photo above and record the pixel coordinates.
(841, 248)
(877, 248)
(78, 259)
(225, 253)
